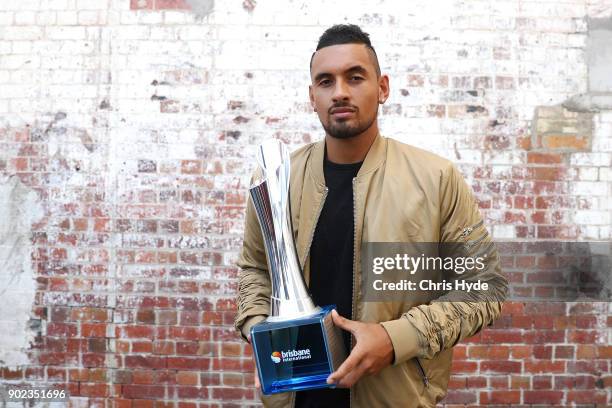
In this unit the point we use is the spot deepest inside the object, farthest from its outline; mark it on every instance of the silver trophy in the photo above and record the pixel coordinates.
(270, 196)
(297, 346)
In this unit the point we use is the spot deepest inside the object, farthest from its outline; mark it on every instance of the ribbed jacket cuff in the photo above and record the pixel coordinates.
(405, 338)
(250, 322)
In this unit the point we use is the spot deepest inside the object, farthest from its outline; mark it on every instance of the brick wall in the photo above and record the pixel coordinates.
(127, 136)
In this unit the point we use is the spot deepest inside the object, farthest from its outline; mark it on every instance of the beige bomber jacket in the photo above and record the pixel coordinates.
(401, 194)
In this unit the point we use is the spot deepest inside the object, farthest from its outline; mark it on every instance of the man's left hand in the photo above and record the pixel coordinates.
(373, 351)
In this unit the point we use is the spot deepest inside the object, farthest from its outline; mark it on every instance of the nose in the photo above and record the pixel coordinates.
(340, 91)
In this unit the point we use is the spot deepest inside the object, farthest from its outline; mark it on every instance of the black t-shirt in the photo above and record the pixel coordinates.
(331, 266)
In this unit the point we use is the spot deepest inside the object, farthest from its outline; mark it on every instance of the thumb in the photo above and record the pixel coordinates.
(342, 322)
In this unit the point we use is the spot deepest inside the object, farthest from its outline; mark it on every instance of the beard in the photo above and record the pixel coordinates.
(344, 130)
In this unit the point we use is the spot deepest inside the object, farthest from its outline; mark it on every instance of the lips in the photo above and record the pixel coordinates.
(342, 112)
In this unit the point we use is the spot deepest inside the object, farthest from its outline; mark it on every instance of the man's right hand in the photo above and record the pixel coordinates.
(256, 380)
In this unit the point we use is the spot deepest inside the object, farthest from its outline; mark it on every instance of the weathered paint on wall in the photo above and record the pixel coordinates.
(127, 137)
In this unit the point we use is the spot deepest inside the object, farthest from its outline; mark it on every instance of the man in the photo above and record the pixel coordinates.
(356, 187)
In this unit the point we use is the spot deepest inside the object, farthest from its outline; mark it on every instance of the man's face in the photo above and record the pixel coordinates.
(345, 90)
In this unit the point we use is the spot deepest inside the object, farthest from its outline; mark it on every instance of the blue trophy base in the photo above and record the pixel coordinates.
(297, 354)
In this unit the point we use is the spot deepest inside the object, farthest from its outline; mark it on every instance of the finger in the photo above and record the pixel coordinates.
(256, 379)
(342, 322)
(349, 364)
(353, 376)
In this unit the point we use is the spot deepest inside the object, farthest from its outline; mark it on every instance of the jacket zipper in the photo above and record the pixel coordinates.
(354, 263)
(470, 244)
(422, 372)
(467, 231)
(314, 228)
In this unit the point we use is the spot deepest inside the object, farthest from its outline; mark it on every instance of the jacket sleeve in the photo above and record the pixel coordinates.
(428, 329)
(254, 285)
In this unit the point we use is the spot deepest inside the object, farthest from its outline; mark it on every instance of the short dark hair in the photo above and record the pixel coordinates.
(346, 34)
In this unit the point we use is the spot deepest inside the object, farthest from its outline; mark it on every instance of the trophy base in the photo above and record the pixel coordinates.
(297, 354)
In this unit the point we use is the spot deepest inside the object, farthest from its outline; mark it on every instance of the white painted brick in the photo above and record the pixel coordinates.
(588, 173)
(591, 159)
(503, 157)
(25, 17)
(149, 18)
(177, 17)
(45, 18)
(604, 117)
(6, 18)
(589, 188)
(67, 17)
(88, 17)
(130, 33)
(590, 232)
(585, 217)
(92, 4)
(504, 232)
(22, 47)
(21, 33)
(23, 76)
(605, 232)
(66, 33)
(21, 5)
(19, 62)
(55, 5)
(5, 47)
(200, 33)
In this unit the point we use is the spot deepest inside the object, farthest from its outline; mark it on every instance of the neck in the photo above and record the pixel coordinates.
(351, 150)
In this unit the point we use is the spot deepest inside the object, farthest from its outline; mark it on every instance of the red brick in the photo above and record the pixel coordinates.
(542, 382)
(542, 397)
(61, 329)
(587, 397)
(476, 381)
(145, 362)
(143, 391)
(501, 366)
(171, 5)
(187, 378)
(565, 142)
(143, 377)
(93, 390)
(488, 352)
(141, 4)
(464, 367)
(500, 397)
(143, 403)
(93, 329)
(582, 336)
(520, 382)
(544, 366)
(183, 363)
(566, 352)
(501, 336)
(142, 346)
(460, 397)
(163, 347)
(93, 360)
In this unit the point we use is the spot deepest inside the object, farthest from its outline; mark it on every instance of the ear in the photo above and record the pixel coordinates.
(312, 101)
(383, 88)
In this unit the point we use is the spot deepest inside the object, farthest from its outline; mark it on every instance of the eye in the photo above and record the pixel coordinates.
(356, 78)
(325, 82)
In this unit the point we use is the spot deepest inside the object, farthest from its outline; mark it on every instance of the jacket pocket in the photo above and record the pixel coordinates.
(422, 372)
